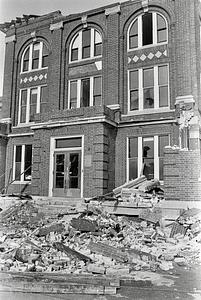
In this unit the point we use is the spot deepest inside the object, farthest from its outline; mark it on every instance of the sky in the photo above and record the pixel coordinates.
(10, 9)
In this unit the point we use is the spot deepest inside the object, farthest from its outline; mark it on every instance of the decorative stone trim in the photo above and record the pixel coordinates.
(145, 4)
(84, 21)
(112, 10)
(55, 26)
(6, 121)
(184, 99)
(10, 39)
(114, 106)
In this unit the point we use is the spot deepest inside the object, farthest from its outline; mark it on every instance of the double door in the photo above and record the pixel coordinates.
(67, 174)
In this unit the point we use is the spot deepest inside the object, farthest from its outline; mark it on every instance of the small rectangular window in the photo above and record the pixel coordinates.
(147, 28)
(69, 142)
(163, 85)
(97, 97)
(85, 92)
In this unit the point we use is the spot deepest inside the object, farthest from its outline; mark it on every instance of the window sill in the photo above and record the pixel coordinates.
(26, 72)
(21, 182)
(22, 125)
(147, 46)
(148, 111)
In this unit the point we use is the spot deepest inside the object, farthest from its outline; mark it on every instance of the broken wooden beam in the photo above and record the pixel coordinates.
(70, 252)
(108, 251)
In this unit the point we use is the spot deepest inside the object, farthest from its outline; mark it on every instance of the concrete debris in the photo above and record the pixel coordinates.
(97, 242)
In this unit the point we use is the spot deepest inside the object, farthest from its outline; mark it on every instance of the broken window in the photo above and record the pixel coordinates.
(146, 155)
(87, 43)
(34, 57)
(148, 88)
(22, 162)
(147, 29)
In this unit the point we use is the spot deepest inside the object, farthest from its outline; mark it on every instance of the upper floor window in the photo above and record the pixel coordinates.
(147, 29)
(85, 92)
(31, 101)
(148, 88)
(34, 57)
(86, 44)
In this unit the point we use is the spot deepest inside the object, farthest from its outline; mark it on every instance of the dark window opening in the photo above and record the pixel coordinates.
(85, 92)
(147, 29)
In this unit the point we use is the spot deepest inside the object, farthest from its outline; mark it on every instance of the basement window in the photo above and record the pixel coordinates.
(22, 163)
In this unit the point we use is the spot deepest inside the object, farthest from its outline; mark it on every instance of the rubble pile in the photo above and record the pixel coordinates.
(95, 241)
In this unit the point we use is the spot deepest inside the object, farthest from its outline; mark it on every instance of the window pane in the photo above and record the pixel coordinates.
(26, 61)
(133, 147)
(133, 35)
(134, 100)
(74, 54)
(162, 36)
(163, 96)
(23, 106)
(85, 92)
(27, 162)
(18, 157)
(73, 94)
(98, 38)
(97, 85)
(134, 80)
(161, 24)
(97, 49)
(133, 168)
(148, 77)
(148, 158)
(35, 63)
(162, 142)
(162, 75)
(60, 160)
(147, 36)
(149, 98)
(33, 103)
(86, 36)
(86, 52)
(69, 143)
(44, 61)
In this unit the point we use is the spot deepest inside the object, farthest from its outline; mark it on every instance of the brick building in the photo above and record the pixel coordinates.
(93, 98)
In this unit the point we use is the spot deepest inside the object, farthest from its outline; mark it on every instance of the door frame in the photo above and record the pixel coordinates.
(51, 164)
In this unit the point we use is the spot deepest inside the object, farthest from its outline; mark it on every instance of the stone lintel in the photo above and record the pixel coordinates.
(56, 26)
(9, 39)
(112, 10)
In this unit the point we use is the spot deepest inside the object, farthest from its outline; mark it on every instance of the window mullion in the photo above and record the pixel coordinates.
(140, 72)
(78, 92)
(156, 88)
(156, 158)
(140, 31)
(140, 159)
(154, 28)
(22, 163)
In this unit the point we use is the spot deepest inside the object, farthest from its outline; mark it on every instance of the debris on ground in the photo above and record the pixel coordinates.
(96, 241)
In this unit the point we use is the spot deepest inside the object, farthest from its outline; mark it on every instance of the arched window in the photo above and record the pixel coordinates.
(87, 43)
(147, 29)
(34, 57)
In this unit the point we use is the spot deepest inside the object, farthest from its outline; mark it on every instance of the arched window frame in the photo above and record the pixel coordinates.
(154, 31)
(30, 60)
(93, 43)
